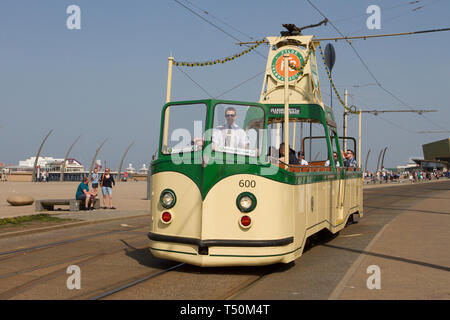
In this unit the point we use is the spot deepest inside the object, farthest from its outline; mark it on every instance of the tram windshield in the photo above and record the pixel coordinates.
(184, 127)
(238, 129)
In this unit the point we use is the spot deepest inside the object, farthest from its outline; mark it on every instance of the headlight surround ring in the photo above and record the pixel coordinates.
(168, 192)
(246, 196)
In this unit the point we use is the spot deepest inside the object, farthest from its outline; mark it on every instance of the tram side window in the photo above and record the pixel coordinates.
(184, 127)
(335, 148)
(315, 145)
(238, 129)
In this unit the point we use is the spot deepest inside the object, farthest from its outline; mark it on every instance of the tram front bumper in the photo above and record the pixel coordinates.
(221, 252)
(221, 243)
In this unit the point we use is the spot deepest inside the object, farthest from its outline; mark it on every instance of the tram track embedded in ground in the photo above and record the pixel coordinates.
(135, 282)
(90, 258)
(12, 253)
(55, 263)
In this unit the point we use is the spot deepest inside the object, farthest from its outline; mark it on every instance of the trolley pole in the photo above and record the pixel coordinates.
(286, 109)
(359, 139)
(168, 93)
(345, 119)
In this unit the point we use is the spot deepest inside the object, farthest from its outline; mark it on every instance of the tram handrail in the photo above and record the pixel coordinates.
(313, 168)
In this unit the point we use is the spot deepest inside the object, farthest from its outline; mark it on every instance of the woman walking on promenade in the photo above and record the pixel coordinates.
(94, 180)
(107, 182)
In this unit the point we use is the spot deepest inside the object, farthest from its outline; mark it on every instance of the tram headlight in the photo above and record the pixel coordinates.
(246, 202)
(167, 198)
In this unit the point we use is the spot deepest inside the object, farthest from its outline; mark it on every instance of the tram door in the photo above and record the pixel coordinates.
(317, 154)
(346, 194)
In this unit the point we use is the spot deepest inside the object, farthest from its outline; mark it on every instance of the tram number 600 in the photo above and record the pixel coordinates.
(247, 183)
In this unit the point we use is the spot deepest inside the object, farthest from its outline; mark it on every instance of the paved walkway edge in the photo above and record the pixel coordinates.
(340, 286)
(66, 225)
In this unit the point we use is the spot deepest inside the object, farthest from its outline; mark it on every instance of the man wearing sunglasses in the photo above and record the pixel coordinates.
(351, 161)
(230, 134)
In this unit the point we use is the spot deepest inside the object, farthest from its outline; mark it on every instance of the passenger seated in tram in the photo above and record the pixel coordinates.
(350, 160)
(336, 160)
(272, 155)
(292, 158)
(301, 158)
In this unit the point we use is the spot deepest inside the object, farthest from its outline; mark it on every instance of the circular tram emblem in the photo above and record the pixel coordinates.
(295, 59)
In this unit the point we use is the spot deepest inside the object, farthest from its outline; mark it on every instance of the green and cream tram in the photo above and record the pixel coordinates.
(223, 195)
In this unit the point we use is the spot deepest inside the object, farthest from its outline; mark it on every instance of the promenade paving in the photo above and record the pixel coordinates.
(128, 197)
(411, 253)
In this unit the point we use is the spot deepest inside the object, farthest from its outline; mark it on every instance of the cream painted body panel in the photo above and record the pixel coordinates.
(187, 212)
(282, 211)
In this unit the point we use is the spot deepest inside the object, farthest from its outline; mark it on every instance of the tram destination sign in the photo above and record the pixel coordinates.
(280, 111)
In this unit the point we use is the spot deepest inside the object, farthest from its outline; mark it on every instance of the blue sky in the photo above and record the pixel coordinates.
(109, 78)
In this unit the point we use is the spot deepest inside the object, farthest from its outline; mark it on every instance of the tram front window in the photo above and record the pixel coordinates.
(184, 127)
(238, 129)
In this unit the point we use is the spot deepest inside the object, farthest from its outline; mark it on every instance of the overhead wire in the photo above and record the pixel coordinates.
(396, 125)
(362, 61)
(240, 84)
(409, 3)
(220, 20)
(203, 89)
(400, 15)
(207, 21)
(228, 34)
(215, 25)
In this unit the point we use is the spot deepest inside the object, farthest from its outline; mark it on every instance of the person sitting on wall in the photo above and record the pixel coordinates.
(83, 193)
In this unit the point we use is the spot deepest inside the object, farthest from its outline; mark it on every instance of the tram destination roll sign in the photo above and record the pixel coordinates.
(280, 111)
(295, 59)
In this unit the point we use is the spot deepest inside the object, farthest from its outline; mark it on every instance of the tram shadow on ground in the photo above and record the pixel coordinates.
(322, 237)
(144, 257)
(409, 209)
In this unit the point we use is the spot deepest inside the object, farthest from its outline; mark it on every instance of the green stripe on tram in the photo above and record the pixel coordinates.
(218, 172)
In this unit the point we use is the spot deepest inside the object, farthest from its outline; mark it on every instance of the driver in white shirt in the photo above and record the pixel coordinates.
(230, 135)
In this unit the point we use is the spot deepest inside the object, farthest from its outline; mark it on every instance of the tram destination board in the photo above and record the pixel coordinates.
(280, 110)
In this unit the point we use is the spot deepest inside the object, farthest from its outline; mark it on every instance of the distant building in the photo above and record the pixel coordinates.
(437, 151)
(436, 155)
(49, 164)
(130, 169)
(143, 170)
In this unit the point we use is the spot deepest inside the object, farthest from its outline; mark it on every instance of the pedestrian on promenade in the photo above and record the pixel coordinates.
(84, 194)
(107, 182)
(94, 180)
